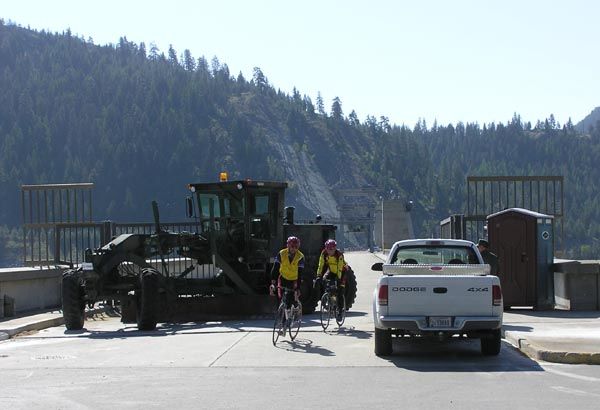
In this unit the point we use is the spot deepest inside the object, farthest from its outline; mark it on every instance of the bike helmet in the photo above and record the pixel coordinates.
(330, 244)
(293, 240)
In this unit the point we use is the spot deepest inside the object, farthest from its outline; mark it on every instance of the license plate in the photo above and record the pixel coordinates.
(440, 321)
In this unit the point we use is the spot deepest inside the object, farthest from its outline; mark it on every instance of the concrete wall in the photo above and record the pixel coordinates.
(577, 285)
(28, 289)
(396, 222)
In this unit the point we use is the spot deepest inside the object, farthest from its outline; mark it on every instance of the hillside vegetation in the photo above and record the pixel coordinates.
(590, 123)
(141, 124)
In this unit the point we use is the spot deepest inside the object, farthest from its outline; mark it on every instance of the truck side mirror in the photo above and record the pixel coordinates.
(189, 206)
(377, 267)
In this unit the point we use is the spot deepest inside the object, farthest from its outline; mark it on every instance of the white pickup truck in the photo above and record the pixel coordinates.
(438, 288)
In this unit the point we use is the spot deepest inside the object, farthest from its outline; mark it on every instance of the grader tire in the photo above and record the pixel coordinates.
(351, 288)
(73, 300)
(147, 301)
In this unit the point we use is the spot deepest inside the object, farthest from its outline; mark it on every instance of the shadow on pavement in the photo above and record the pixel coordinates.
(351, 313)
(303, 345)
(460, 355)
(349, 331)
(310, 324)
(170, 329)
(516, 328)
(555, 314)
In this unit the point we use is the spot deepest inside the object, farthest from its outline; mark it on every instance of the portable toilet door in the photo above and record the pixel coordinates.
(523, 241)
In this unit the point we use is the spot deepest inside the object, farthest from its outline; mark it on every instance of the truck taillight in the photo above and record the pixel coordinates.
(496, 295)
(383, 295)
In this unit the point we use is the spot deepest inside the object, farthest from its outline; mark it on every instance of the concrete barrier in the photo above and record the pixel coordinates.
(29, 289)
(577, 284)
(25, 290)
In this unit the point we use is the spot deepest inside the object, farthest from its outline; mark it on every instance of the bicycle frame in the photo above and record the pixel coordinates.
(287, 319)
(330, 305)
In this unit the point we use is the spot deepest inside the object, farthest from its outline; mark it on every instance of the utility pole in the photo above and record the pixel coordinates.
(382, 235)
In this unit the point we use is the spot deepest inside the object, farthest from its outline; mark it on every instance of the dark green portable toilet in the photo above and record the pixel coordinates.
(524, 243)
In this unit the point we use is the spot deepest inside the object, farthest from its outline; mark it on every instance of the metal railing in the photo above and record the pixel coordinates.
(64, 244)
(61, 243)
(50, 209)
(175, 262)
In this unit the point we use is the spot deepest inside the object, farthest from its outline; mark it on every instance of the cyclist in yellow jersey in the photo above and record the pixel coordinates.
(332, 264)
(287, 270)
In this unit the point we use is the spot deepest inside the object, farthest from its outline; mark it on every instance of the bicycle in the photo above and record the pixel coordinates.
(331, 306)
(287, 320)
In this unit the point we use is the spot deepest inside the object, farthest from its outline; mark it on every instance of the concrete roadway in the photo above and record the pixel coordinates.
(235, 365)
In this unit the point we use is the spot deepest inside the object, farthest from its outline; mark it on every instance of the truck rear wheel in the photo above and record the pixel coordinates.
(73, 300)
(147, 300)
(383, 342)
(490, 345)
(351, 288)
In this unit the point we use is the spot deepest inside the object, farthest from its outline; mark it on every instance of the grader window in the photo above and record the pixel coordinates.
(233, 207)
(205, 205)
(261, 204)
(259, 220)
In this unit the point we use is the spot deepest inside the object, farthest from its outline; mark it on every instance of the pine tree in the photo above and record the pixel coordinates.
(320, 104)
(336, 109)
(172, 55)
(188, 61)
(259, 78)
(353, 117)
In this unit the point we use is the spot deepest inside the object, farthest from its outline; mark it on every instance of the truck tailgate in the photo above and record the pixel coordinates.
(440, 295)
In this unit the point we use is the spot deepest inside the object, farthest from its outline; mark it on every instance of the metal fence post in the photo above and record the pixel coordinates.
(57, 245)
(107, 232)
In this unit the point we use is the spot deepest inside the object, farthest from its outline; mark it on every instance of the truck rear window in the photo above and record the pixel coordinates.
(434, 255)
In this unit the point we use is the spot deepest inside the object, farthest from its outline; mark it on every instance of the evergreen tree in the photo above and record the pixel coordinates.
(320, 104)
(353, 117)
(336, 109)
(188, 61)
(259, 78)
(172, 55)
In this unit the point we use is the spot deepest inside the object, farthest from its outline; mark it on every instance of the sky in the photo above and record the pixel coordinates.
(437, 60)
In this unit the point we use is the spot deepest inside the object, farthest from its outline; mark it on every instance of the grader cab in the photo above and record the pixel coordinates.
(221, 270)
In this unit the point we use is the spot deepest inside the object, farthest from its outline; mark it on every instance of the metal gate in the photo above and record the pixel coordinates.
(488, 195)
(49, 212)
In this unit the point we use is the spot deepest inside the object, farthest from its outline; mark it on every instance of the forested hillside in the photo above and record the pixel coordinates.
(590, 123)
(141, 125)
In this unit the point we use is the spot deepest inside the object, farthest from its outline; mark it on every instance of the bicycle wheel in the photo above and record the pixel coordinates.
(278, 324)
(296, 321)
(340, 316)
(325, 310)
(332, 307)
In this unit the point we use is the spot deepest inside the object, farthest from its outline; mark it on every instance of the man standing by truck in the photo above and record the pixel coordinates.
(488, 257)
